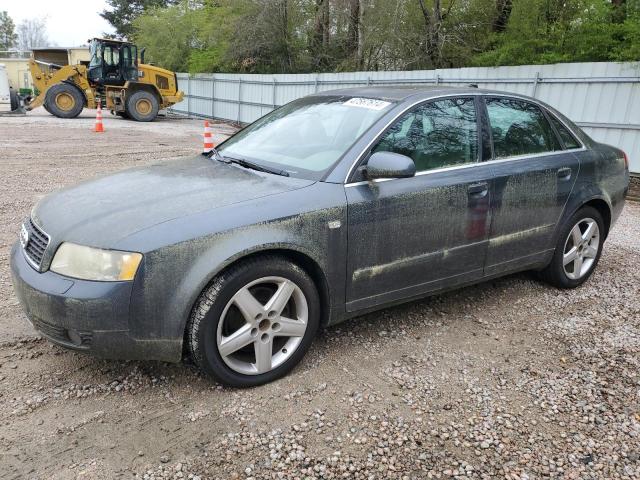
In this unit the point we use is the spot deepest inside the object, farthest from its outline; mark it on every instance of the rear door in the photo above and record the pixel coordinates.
(408, 236)
(533, 177)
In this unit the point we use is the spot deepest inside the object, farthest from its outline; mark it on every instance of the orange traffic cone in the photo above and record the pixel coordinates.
(208, 139)
(99, 127)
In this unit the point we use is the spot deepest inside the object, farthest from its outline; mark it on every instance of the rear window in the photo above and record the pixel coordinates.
(567, 137)
(519, 128)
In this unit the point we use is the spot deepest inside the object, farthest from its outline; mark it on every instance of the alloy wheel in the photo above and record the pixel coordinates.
(262, 325)
(581, 248)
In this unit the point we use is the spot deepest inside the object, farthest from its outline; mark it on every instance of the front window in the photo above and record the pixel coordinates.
(438, 134)
(308, 136)
(95, 49)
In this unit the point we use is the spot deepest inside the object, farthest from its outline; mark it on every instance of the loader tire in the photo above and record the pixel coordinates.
(14, 99)
(142, 106)
(64, 101)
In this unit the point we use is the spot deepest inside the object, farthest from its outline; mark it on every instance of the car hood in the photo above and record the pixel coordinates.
(102, 211)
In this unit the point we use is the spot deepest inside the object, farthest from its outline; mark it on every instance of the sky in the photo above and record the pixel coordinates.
(69, 23)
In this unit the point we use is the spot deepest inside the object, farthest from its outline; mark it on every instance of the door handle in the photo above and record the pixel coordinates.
(564, 173)
(478, 190)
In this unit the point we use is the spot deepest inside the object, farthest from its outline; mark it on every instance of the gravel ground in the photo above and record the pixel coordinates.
(507, 379)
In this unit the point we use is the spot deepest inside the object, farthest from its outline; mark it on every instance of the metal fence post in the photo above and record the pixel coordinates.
(535, 84)
(213, 96)
(189, 96)
(239, 97)
(273, 95)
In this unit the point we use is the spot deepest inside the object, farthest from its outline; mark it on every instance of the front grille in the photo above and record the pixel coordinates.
(37, 244)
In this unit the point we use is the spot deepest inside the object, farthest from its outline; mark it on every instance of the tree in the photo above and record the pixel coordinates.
(8, 37)
(503, 12)
(32, 33)
(123, 12)
(551, 31)
(267, 39)
(291, 36)
(182, 38)
(319, 37)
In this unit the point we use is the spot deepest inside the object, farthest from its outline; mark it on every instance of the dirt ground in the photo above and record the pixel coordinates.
(508, 379)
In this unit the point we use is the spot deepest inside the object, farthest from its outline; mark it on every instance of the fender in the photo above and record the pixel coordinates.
(164, 312)
(221, 255)
(585, 194)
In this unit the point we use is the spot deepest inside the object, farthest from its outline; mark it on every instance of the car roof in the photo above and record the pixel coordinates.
(402, 93)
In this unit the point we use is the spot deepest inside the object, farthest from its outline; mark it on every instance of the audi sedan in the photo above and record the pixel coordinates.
(331, 206)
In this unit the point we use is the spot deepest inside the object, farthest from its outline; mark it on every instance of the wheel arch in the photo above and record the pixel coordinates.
(133, 87)
(294, 254)
(604, 209)
(600, 204)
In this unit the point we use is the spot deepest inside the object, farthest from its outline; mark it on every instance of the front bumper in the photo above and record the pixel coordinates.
(84, 315)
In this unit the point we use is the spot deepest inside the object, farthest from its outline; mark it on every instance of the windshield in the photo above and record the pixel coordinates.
(308, 136)
(96, 54)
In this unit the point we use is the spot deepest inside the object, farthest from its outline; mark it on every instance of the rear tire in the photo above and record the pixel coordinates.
(254, 322)
(14, 100)
(142, 106)
(578, 250)
(64, 101)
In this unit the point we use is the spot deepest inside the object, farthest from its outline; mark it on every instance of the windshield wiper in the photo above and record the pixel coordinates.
(216, 154)
(254, 166)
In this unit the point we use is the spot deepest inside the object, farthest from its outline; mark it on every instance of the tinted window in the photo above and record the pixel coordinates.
(567, 138)
(519, 128)
(436, 134)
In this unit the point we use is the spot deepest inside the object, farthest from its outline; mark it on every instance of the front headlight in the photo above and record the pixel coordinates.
(89, 263)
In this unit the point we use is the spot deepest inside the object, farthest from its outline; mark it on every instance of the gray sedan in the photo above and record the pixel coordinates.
(331, 206)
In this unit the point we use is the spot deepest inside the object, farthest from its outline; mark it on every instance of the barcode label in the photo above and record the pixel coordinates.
(370, 103)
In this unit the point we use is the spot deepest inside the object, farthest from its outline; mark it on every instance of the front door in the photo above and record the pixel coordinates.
(414, 235)
(533, 179)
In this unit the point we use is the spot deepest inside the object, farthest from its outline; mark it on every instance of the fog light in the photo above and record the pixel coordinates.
(75, 337)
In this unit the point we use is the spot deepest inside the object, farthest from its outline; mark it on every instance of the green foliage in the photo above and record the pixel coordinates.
(8, 37)
(290, 36)
(551, 31)
(122, 13)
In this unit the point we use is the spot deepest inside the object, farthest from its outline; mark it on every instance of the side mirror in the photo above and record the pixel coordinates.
(389, 165)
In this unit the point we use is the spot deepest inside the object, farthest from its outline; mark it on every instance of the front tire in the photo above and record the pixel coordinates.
(64, 101)
(578, 250)
(254, 322)
(142, 106)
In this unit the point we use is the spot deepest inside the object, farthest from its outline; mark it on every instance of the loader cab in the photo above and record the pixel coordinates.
(112, 62)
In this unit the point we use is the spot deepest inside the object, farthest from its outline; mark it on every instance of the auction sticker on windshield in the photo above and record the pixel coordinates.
(370, 103)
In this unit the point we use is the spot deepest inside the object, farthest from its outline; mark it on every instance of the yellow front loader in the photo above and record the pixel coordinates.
(114, 75)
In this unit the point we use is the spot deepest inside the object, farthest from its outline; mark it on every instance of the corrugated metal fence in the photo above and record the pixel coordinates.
(603, 98)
